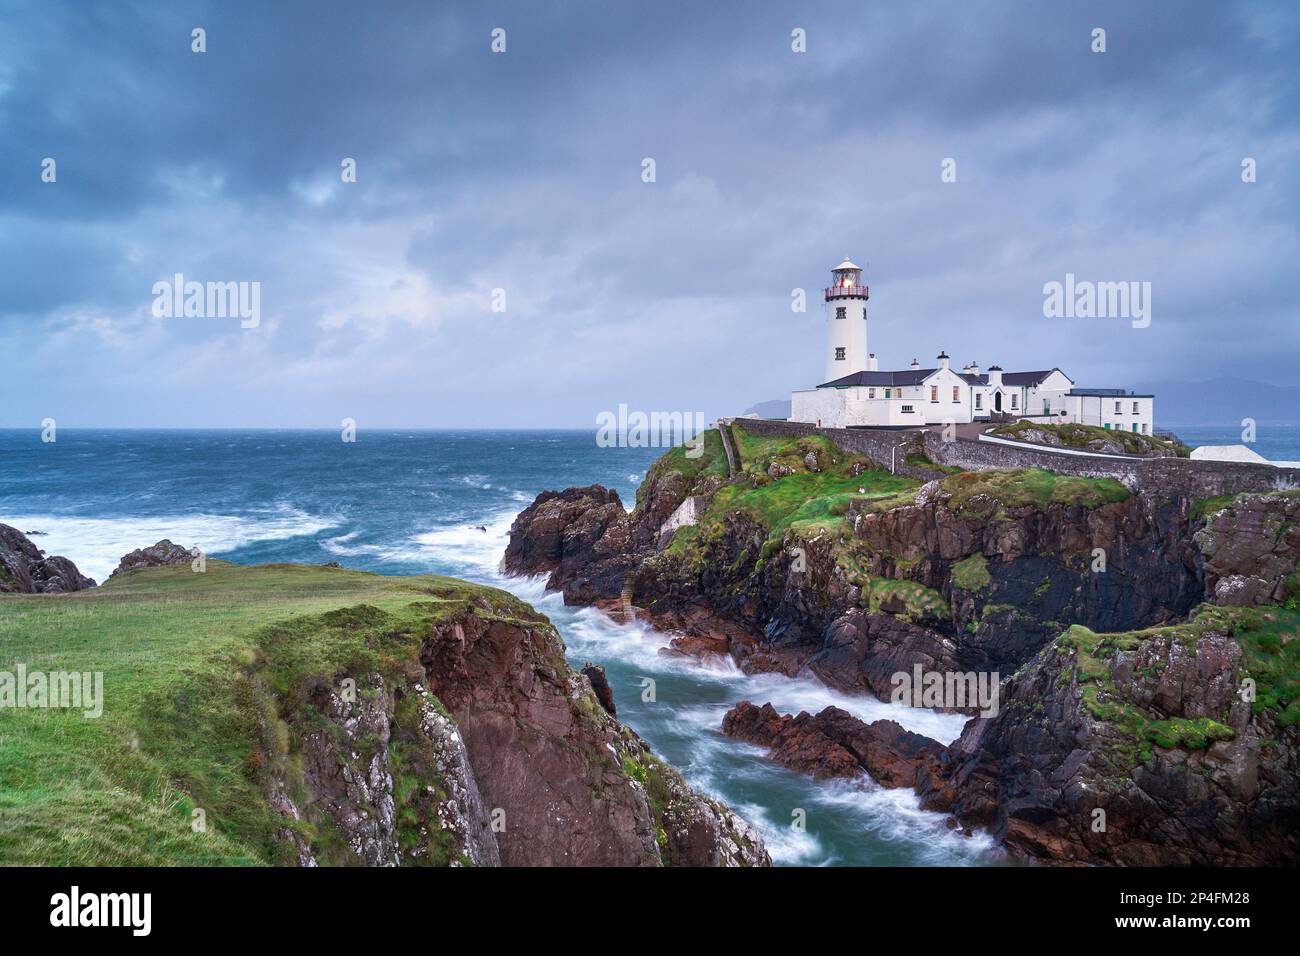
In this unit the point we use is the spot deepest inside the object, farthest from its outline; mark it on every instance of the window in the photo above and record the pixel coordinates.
(979, 401)
(934, 393)
(886, 393)
(1015, 399)
(839, 355)
(956, 393)
(842, 312)
(1119, 408)
(1144, 428)
(1135, 408)
(907, 409)
(871, 393)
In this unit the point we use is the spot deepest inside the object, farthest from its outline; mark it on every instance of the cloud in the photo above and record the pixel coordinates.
(522, 171)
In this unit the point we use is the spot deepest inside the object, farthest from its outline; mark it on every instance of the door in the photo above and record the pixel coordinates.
(997, 401)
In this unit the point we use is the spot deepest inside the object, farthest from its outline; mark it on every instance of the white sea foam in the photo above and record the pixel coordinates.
(95, 545)
(784, 843)
(593, 633)
(476, 547)
(895, 815)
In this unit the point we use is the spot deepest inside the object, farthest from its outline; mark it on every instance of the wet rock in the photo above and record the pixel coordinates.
(600, 687)
(834, 743)
(24, 568)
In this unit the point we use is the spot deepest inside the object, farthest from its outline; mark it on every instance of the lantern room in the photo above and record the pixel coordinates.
(846, 282)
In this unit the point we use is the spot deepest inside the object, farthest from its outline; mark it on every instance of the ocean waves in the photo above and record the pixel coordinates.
(96, 545)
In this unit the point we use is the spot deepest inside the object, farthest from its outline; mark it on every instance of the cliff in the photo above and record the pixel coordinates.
(815, 560)
(289, 714)
(1174, 745)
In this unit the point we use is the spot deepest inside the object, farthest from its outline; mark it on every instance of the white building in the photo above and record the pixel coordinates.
(857, 393)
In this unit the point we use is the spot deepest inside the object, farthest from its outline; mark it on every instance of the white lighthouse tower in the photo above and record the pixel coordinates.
(846, 318)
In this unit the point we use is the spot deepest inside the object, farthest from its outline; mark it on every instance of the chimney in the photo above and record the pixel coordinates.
(871, 363)
(995, 376)
(974, 367)
(915, 365)
(943, 360)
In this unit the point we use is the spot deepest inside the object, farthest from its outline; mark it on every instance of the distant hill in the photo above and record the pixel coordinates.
(776, 408)
(1224, 401)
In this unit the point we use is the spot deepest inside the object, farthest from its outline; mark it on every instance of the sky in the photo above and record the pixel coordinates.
(524, 171)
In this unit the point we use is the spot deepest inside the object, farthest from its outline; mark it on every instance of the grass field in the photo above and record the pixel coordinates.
(193, 664)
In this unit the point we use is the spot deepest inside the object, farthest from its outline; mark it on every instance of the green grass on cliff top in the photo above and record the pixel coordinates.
(1079, 436)
(981, 491)
(187, 659)
(806, 500)
(809, 501)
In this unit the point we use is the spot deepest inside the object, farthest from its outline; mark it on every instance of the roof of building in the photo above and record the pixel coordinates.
(1106, 393)
(846, 264)
(915, 376)
(907, 376)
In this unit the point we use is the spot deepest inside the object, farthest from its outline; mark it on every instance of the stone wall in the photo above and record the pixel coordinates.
(1183, 476)
(879, 444)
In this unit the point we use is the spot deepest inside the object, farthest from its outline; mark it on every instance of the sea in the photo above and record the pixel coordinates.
(414, 502)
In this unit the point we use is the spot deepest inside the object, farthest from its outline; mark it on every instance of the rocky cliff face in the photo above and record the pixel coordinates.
(482, 747)
(1251, 547)
(1146, 748)
(355, 755)
(956, 578)
(981, 572)
(24, 568)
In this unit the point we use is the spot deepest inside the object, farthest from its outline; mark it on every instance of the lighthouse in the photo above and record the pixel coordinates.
(846, 320)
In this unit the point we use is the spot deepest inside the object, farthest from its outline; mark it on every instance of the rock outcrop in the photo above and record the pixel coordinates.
(590, 545)
(1251, 548)
(24, 568)
(1139, 749)
(480, 746)
(162, 554)
(595, 673)
(834, 743)
(544, 751)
